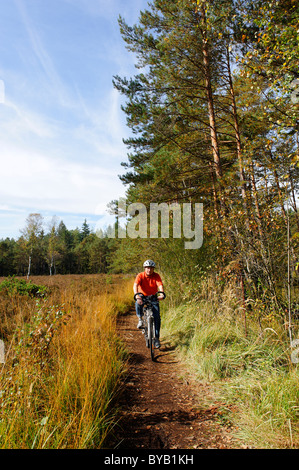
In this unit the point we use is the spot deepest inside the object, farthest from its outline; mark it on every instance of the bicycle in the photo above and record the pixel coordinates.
(149, 322)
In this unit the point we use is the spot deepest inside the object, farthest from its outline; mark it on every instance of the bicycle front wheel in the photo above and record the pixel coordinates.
(145, 332)
(151, 337)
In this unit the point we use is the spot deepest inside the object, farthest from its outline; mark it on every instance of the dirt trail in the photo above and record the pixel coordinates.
(160, 407)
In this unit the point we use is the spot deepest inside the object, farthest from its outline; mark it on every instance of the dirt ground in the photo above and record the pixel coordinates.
(161, 406)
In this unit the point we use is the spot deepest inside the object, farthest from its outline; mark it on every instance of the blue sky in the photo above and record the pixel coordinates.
(61, 126)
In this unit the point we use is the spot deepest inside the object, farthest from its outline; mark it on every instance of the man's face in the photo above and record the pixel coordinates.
(148, 270)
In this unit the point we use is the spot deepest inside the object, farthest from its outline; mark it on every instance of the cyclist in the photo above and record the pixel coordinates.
(149, 282)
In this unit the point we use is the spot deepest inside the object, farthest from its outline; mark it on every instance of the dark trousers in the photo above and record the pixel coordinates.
(156, 313)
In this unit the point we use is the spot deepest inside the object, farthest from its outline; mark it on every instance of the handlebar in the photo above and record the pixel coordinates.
(149, 297)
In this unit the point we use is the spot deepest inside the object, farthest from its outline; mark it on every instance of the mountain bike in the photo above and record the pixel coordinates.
(149, 322)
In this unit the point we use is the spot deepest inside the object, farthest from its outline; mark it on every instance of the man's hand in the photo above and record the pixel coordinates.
(139, 301)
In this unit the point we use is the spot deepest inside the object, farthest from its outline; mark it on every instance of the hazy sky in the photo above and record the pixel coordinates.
(61, 126)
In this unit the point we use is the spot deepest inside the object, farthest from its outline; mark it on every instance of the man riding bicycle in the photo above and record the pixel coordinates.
(148, 283)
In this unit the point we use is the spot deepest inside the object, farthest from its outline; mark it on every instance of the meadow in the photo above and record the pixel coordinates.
(63, 359)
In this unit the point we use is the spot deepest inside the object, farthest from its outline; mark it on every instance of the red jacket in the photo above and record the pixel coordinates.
(149, 285)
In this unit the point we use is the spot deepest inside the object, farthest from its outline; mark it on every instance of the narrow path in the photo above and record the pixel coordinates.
(160, 409)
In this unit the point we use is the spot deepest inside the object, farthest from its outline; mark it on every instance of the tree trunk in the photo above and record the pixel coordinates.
(209, 96)
(214, 190)
(237, 134)
(29, 266)
(294, 205)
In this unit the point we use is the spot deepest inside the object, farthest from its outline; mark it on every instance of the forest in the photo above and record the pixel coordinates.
(213, 113)
(55, 251)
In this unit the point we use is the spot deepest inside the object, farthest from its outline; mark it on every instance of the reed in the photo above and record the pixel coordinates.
(63, 364)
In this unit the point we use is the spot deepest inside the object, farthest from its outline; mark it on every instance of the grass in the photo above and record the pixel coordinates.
(64, 362)
(249, 367)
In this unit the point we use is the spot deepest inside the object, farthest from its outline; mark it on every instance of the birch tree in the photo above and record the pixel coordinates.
(32, 233)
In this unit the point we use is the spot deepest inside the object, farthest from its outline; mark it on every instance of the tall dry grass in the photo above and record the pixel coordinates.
(64, 362)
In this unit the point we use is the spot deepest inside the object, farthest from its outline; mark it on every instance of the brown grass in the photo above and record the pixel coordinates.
(63, 362)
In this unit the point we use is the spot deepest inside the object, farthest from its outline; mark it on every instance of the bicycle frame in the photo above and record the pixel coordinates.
(149, 327)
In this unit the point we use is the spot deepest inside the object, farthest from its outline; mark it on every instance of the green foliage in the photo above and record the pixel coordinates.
(213, 122)
(12, 286)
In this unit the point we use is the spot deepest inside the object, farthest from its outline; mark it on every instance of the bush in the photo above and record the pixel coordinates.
(13, 286)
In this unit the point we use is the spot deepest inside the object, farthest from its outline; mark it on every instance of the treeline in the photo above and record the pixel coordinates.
(55, 251)
(213, 110)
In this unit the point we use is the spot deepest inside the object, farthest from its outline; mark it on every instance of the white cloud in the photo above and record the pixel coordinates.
(36, 180)
(58, 166)
(104, 128)
(18, 122)
(61, 126)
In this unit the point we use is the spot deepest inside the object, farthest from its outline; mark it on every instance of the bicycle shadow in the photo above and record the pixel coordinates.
(136, 358)
(163, 354)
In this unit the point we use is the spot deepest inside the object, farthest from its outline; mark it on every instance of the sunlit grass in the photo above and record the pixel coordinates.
(247, 364)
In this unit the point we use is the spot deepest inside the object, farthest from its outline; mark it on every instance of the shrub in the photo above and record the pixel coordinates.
(13, 286)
